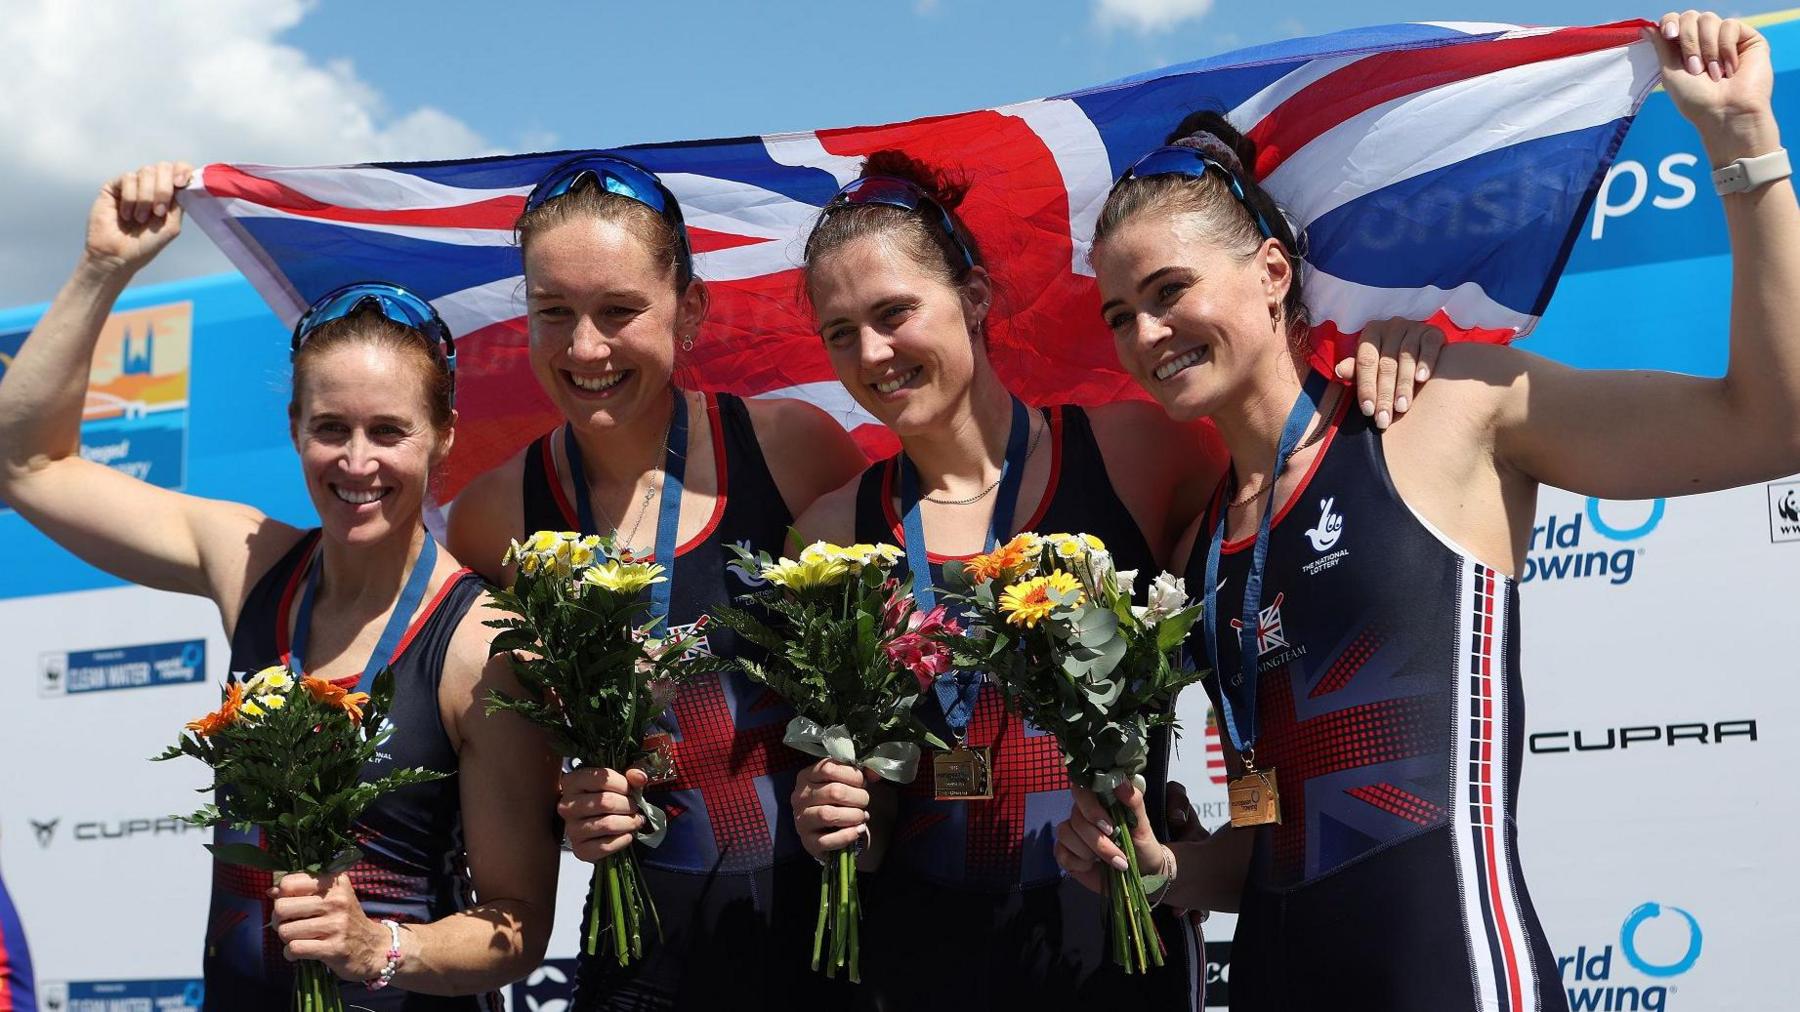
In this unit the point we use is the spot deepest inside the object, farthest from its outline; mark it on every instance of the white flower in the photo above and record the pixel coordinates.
(1168, 595)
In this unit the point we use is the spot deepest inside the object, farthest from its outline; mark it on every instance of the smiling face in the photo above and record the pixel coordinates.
(900, 337)
(1191, 321)
(366, 440)
(604, 318)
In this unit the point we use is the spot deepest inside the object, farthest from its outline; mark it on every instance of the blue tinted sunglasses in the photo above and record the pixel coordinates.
(627, 179)
(1183, 161)
(392, 301)
(891, 191)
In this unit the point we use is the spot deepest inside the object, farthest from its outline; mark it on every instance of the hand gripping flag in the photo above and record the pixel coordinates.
(1442, 172)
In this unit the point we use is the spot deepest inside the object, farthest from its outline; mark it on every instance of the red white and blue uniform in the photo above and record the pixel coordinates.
(17, 991)
(1389, 707)
(731, 884)
(413, 870)
(970, 909)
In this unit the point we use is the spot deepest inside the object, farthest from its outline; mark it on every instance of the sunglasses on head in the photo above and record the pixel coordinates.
(891, 191)
(1176, 160)
(628, 180)
(391, 301)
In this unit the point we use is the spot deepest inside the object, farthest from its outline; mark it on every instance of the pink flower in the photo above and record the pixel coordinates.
(918, 651)
(897, 610)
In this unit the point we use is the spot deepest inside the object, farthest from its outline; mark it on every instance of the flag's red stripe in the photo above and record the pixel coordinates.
(495, 212)
(498, 213)
(1384, 77)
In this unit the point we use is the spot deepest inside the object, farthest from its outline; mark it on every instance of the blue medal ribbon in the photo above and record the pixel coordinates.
(668, 509)
(395, 631)
(958, 691)
(1237, 694)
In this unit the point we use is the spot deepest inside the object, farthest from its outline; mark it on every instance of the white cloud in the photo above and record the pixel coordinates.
(1148, 15)
(95, 88)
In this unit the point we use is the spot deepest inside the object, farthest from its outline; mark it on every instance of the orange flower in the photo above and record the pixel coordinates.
(224, 716)
(332, 694)
(997, 564)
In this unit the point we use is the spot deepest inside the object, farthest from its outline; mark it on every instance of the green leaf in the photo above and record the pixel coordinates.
(344, 861)
(246, 855)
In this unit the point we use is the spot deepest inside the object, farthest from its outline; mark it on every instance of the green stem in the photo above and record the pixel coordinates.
(854, 927)
(595, 888)
(825, 880)
(620, 947)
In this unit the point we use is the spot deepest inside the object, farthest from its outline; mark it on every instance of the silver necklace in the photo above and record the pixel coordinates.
(983, 494)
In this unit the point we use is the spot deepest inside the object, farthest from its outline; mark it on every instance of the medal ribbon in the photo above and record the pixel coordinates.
(388, 645)
(1237, 694)
(958, 691)
(668, 507)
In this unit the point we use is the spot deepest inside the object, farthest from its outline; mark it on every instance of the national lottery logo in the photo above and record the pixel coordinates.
(1595, 544)
(1656, 943)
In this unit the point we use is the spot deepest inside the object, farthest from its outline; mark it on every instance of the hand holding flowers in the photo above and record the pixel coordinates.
(1054, 623)
(600, 670)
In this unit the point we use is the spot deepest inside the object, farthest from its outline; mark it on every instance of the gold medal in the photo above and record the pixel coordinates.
(1254, 798)
(963, 774)
(659, 762)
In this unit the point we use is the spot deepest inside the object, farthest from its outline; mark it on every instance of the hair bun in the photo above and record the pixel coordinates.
(1209, 132)
(938, 184)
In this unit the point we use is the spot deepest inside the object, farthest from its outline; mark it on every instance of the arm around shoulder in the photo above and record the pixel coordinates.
(808, 453)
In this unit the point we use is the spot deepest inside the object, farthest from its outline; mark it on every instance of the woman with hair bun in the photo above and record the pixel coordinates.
(1375, 737)
(968, 905)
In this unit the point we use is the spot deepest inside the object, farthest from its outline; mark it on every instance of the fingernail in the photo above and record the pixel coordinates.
(1423, 374)
(1714, 71)
(162, 209)
(1121, 864)
(1105, 827)
(1671, 30)
(1400, 404)
(1368, 407)
(1381, 420)
(1693, 66)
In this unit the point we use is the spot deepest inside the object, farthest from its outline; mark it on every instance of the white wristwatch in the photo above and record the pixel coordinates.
(1747, 174)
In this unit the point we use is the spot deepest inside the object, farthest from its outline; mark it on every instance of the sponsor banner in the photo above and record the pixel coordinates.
(121, 996)
(82, 671)
(136, 416)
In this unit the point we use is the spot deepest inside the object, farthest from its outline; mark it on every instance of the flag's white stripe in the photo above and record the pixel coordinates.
(830, 397)
(741, 263)
(1477, 27)
(1081, 157)
(1351, 305)
(369, 188)
(1392, 142)
(244, 253)
(471, 309)
(804, 149)
(725, 205)
(240, 208)
(1250, 111)
(1462, 831)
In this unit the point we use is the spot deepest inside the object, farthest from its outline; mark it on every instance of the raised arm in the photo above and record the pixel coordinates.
(129, 528)
(1627, 435)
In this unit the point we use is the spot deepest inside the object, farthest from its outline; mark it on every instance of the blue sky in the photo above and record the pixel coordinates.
(591, 74)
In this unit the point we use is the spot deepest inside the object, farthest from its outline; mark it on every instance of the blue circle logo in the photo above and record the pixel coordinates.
(1625, 533)
(1628, 942)
(193, 656)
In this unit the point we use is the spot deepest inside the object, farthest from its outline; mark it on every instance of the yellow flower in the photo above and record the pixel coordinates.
(270, 679)
(580, 555)
(271, 701)
(1030, 601)
(821, 551)
(1093, 543)
(623, 577)
(250, 709)
(818, 571)
(543, 542)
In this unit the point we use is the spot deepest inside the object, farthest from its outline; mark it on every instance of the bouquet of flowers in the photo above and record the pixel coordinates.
(287, 754)
(1054, 622)
(583, 644)
(852, 655)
